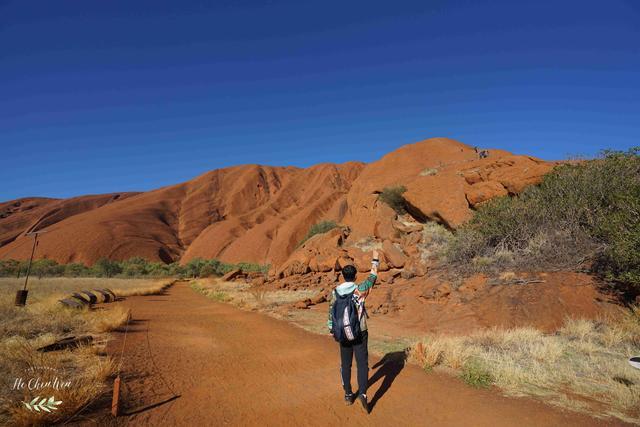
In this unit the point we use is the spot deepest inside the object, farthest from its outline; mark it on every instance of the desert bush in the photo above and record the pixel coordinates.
(475, 374)
(194, 267)
(248, 267)
(319, 228)
(208, 270)
(46, 267)
(158, 269)
(106, 268)
(435, 241)
(429, 172)
(76, 269)
(588, 211)
(9, 267)
(393, 196)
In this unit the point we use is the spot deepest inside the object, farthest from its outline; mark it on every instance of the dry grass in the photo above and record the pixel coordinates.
(43, 321)
(59, 287)
(435, 241)
(429, 172)
(245, 296)
(582, 367)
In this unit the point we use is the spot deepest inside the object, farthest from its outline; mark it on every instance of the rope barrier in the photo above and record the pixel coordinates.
(156, 366)
(119, 369)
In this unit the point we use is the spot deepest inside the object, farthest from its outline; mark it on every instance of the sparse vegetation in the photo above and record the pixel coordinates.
(319, 228)
(475, 374)
(393, 196)
(43, 321)
(582, 367)
(585, 214)
(435, 241)
(136, 267)
(246, 296)
(210, 292)
(429, 172)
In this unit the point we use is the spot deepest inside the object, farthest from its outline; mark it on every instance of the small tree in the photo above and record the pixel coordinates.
(158, 269)
(46, 268)
(393, 196)
(193, 267)
(107, 268)
(9, 268)
(76, 269)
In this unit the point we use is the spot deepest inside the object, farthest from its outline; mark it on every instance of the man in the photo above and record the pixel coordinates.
(357, 347)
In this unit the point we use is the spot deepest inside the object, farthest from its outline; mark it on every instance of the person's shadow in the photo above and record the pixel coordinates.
(389, 367)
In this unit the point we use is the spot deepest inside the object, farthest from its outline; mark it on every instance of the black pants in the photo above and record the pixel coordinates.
(359, 347)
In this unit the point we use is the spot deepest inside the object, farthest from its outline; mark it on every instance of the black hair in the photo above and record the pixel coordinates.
(349, 273)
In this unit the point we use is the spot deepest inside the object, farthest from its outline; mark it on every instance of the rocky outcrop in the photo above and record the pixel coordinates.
(260, 214)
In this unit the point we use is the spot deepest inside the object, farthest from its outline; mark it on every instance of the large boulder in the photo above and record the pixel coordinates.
(361, 259)
(394, 256)
(404, 226)
(439, 198)
(518, 172)
(483, 191)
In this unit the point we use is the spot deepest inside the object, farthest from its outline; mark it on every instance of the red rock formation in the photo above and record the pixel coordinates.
(260, 214)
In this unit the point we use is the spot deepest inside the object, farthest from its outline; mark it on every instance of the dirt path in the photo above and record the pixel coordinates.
(242, 368)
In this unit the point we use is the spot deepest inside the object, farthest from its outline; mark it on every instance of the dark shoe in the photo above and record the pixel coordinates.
(363, 400)
(348, 399)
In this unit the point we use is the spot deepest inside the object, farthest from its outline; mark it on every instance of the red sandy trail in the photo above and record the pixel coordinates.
(231, 367)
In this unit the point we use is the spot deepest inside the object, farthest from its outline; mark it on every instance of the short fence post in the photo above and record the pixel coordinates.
(115, 401)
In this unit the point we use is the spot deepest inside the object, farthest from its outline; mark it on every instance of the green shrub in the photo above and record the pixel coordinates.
(247, 267)
(9, 267)
(76, 269)
(208, 270)
(392, 196)
(46, 267)
(586, 213)
(193, 267)
(319, 228)
(158, 269)
(476, 375)
(106, 268)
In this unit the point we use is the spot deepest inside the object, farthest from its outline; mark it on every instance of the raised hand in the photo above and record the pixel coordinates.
(374, 262)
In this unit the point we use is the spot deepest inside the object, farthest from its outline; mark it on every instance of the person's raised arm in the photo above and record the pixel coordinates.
(375, 262)
(366, 286)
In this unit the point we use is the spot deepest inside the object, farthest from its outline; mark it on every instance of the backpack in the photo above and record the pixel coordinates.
(346, 322)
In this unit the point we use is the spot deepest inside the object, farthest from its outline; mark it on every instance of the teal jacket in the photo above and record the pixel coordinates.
(361, 291)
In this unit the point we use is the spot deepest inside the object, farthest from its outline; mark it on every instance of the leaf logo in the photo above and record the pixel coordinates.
(44, 405)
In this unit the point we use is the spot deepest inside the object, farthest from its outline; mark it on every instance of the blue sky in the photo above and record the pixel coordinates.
(104, 96)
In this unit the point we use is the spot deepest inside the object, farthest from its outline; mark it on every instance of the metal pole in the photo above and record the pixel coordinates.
(33, 250)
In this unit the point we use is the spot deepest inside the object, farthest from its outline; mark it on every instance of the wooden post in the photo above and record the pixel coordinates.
(33, 251)
(115, 401)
